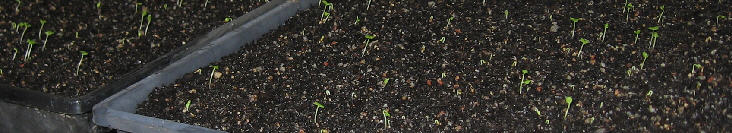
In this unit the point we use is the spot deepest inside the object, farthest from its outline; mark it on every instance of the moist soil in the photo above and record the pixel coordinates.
(109, 33)
(471, 79)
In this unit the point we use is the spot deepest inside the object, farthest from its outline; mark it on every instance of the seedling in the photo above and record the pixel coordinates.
(722, 17)
(80, 60)
(99, 9)
(30, 48)
(227, 19)
(327, 7)
(205, 4)
(48, 33)
(180, 2)
(574, 22)
(357, 20)
(137, 5)
(16, 7)
(604, 32)
(368, 3)
(442, 40)
(523, 82)
(25, 26)
(324, 17)
(654, 36)
(386, 81)
(149, 18)
(368, 39)
(567, 100)
(660, 17)
(645, 56)
(43, 22)
(649, 93)
(696, 66)
(505, 13)
(625, 6)
(14, 25)
(188, 105)
(448, 20)
(387, 123)
(637, 32)
(584, 41)
(210, 78)
(628, 6)
(142, 20)
(317, 107)
(15, 53)
(536, 110)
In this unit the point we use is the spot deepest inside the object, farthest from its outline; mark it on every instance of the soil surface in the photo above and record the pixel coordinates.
(471, 80)
(108, 33)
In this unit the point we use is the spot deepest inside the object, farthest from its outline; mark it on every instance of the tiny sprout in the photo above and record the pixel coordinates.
(442, 40)
(227, 19)
(357, 20)
(15, 53)
(80, 60)
(629, 6)
(43, 22)
(15, 26)
(188, 105)
(584, 41)
(523, 81)
(180, 2)
(696, 66)
(637, 32)
(16, 7)
(660, 17)
(205, 4)
(536, 110)
(386, 81)
(649, 93)
(722, 17)
(210, 78)
(387, 123)
(317, 107)
(505, 13)
(574, 23)
(142, 20)
(29, 50)
(645, 56)
(449, 20)
(48, 33)
(368, 39)
(604, 32)
(567, 100)
(25, 26)
(99, 4)
(77, 35)
(368, 3)
(437, 122)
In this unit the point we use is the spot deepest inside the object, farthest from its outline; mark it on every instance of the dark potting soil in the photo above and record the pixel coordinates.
(108, 33)
(470, 80)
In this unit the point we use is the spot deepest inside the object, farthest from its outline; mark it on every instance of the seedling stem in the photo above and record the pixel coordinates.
(210, 78)
(80, 60)
(568, 100)
(317, 107)
(584, 41)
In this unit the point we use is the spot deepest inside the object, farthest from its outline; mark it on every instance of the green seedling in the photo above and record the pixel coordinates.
(325, 17)
(523, 81)
(80, 60)
(180, 2)
(15, 53)
(505, 13)
(149, 19)
(437, 122)
(567, 100)
(722, 17)
(142, 20)
(649, 93)
(584, 41)
(165, 6)
(654, 36)
(327, 7)
(1, 71)
(387, 123)
(536, 110)
(43, 22)
(442, 40)
(660, 17)
(449, 20)
(696, 66)
(25, 26)
(317, 107)
(77, 35)
(628, 6)
(99, 4)
(574, 22)
(188, 105)
(386, 81)
(99, 9)
(137, 5)
(625, 6)
(604, 32)
(48, 33)
(637, 32)
(368, 3)
(645, 56)
(210, 78)
(357, 20)
(227, 19)
(205, 4)
(482, 62)
(14, 25)
(17, 6)
(29, 50)
(368, 39)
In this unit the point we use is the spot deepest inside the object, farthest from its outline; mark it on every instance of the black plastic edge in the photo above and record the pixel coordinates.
(118, 111)
(84, 104)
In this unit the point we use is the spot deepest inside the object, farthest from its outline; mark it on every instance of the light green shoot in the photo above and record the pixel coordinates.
(77, 35)
(655, 37)
(584, 41)
(387, 123)
(368, 39)
(29, 50)
(317, 107)
(442, 40)
(536, 110)
(649, 93)
(660, 17)
(574, 23)
(567, 100)
(15, 53)
(645, 56)
(210, 78)
(637, 32)
(227, 19)
(80, 60)
(16, 7)
(1, 71)
(604, 32)
(43, 22)
(696, 66)
(149, 18)
(505, 13)
(324, 17)
(15, 26)
(521, 84)
(99, 4)
(357, 20)
(180, 2)
(188, 105)
(628, 6)
(142, 20)
(654, 34)
(449, 20)
(722, 17)
(48, 33)
(368, 3)
(205, 4)
(25, 26)
(386, 81)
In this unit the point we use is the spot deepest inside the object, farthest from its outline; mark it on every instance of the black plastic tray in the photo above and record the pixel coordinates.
(118, 111)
